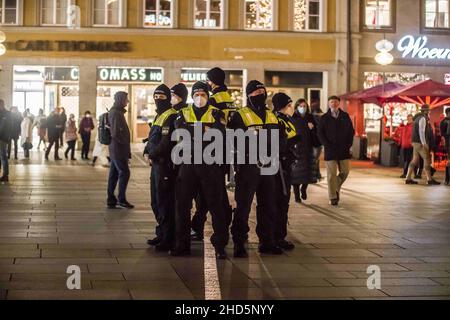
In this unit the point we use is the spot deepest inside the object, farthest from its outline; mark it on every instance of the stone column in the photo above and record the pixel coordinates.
(88, 89)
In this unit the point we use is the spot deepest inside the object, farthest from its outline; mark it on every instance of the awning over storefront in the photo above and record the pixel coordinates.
(429, 92)
(372, 95)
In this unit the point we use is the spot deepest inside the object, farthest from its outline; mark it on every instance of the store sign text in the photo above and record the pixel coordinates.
(193, 75)
(69, 46)
(130, 74)
(412, 47)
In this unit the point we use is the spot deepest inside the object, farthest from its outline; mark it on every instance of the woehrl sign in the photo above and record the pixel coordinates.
(417, 48)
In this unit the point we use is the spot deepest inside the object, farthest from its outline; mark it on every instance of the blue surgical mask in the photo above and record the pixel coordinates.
(301, 110)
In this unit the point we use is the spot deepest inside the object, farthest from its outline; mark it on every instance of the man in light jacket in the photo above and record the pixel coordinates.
(120, 153)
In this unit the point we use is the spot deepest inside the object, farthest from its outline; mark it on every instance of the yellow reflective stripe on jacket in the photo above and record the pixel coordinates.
(251, 119)
(163, 117)
(189, 115)
(290, 129)
(222, 97)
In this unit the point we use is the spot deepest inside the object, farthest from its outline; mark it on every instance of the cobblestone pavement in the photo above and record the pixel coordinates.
(53, 216)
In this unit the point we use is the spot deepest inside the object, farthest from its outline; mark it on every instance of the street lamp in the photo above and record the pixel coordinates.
(384, 58)
(2, 46)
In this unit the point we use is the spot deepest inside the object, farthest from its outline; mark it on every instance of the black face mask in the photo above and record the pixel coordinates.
(162, 105)
(258, 102)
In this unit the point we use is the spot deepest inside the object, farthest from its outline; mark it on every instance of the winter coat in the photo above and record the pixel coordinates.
(63, 121)
(445, 132)
(120, 148)
(16, 125)
(304, 170)
(53, 126)
(71, 131)
(406, 136)
(26, 133)
(336, 135)
(5, 126)
(86, 125)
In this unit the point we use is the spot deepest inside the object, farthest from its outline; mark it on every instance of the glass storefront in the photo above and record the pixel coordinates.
(41, 87)
(233, 78)
(139, 83)
(393, 114)
(297, 85)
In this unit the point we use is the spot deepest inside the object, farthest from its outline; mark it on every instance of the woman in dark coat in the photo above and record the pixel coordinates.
(304, 169)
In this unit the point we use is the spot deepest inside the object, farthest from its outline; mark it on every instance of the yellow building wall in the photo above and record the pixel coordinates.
(184, 7)
(193, 47)
(283, 15)
(331, 15)
(134, 9)
(233, 15)
(30, 13)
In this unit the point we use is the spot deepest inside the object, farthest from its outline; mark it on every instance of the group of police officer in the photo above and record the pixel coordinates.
(175, 187)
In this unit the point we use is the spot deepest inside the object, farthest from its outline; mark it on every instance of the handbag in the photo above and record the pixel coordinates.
(27, 145)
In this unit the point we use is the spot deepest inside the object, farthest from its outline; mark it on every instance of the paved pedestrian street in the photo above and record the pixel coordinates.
(54, 216)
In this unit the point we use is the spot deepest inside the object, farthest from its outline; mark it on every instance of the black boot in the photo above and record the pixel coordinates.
(297, 194)
(447, 176)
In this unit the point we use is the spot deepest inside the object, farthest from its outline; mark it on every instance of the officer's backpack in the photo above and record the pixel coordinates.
(104, 130)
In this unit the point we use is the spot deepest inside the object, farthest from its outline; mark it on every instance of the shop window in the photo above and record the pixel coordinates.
(9, 12)
(437, 14)
(307, 15)
(158, 13)
(108, 13)
(54, 12)
(378, 14)
(209, 14)
(259, 14)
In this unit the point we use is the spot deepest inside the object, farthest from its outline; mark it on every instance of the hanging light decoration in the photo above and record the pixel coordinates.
(300, 14)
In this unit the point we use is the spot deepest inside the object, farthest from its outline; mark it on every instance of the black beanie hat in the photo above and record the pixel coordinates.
(280, 100)
(181, 91)
(163, 89)
(200, 86)
(217, 76)
(253, 86)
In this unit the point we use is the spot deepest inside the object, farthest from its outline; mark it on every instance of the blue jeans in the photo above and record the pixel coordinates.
(119, 172)
(4, 158)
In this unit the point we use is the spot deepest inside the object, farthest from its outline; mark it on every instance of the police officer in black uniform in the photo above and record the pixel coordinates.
(179, 96)
(205, 178)
(221, 100)
(249, 178)
(284, 109)
(158, 149)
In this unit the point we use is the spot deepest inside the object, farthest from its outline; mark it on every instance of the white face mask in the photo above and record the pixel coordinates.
(174, 101)
(200, 101)
(301, 110)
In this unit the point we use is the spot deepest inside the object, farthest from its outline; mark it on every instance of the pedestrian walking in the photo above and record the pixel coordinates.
(71, 137)
(63, 118)
(284, 110)
(119, 150)
(304, 169)
(85, 130)
(445, 132)
(249, 178)
(405, 142)
(5, 138)
(26, 135)
(317, 113)
(41, 125)
(422, 142)
(53, 131)
(100, 151)
(195, 177)
(336, 133)
(16, 118)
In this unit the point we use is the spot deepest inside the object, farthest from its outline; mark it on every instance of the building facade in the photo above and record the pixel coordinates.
(78, 53)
